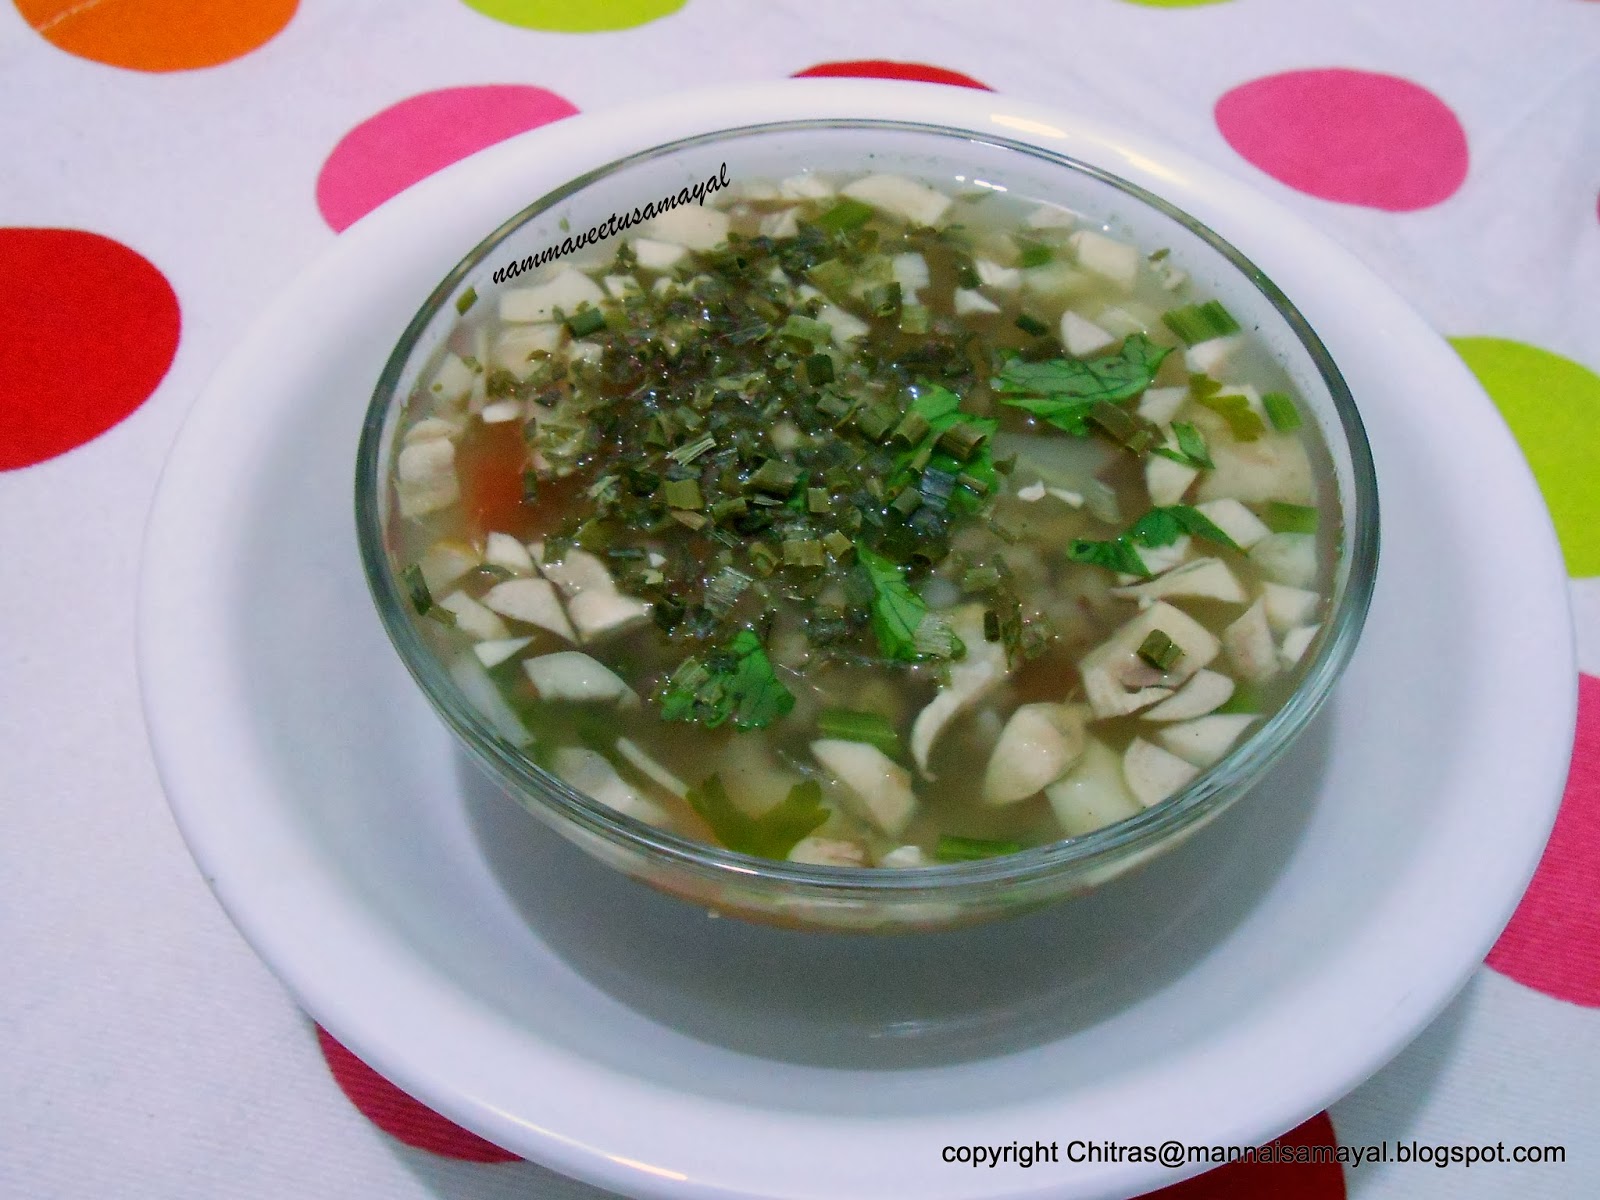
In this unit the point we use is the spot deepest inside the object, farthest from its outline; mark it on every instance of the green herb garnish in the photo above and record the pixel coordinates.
(736, 683)
(1031, 325)
(775, 833)
(466, 300)
(1115, 554)
(1163, 526)
(586, 321)
(1062, 391)
(853, 726)
(1243, 421)
(1196, 323)
(1191, 450)
(1159, 650)
(1281, 411)
(1289, 518)
(417, 587)
(846, 214)
(953, 849)
(897, 611)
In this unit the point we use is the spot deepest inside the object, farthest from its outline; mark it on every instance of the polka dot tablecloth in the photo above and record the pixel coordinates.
(170, 165)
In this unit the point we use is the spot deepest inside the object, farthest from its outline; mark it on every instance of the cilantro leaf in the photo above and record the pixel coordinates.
(736, 683)
(897, 611)
(1063, 390)
(1117, 554)
(941, 408)
(771, 835)
(1163, 526)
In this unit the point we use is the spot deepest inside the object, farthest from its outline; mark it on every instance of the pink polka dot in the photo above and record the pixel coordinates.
(1282, 1180)
(881, 68)
(1352, 136)
(398, 1115)
(408, 141)
(1553, 942)
(88, 329)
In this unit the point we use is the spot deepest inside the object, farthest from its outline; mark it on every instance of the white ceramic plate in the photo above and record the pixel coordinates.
(1245, 982)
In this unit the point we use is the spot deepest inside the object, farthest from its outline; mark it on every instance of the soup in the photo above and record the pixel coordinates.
(852, 521)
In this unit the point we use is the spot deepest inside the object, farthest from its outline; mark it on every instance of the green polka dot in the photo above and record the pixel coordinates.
(1175, 3)
(576, 16)
(1553, 407)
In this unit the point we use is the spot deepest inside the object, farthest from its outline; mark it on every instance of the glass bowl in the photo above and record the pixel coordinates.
(860, 898)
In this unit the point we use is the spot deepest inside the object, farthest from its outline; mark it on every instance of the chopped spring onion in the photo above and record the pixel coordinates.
(1031, 325)
(724, 589)
(417, 586)
(1281, 411)
(682, 493)
(849, 725)
(1196, 323)
(586, 321)
(774, 478)
(819, 370)
(690, 451)
(1289, 518)
(845, 215)
(1159, 650)
(466, 300)
(1035, 254)
(818, 501)
(1245, 423)
(914, 318)
(883, 300)
(804, 552)
(962, 440)
(806, 329)
(952, 849)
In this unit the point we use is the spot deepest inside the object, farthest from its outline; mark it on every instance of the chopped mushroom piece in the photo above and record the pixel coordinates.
(971, 678)
(1117, 262)
(1204, 740)
(1117, 681)
(828, 852)
(473, 618)
(532, 601)
(1205, 692)
(1166, 480)
(692, 225)
(1092, 794)
(879, 787)
(444, 562)
(1153, 774)
(1235, 520)
(1295, 644)
(585, 771)
(968, 302)
(1248, 642)
(571, 675)
(425, 477)
(650, 768)
(492, 653)
(504, 551)
(1039, 742)
(594, 604)
(1201, 579)
(1287, 558)
(905, 856)
(567, 290)
(452, 381)
(1082, 337)
(1287, 606)
(1273, 467)
(915, 202)
(479, 690)
(1160, 404)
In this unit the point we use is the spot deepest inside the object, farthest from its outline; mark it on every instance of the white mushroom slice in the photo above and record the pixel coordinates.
(597, 613)
(620, 287)
(911, 273)
(426, 477)
(1055, 281)
(879, 786)
(1273, 467)
(501, 411)
(805, 186)
(969, 302)
(492, 653)
(1287, 558)
(1202, 579)
(480, 692)
(843, 326)
(1288, 606)
(1120, 320)
(900, 197)
(1166, 480)
(992, 275)
(653, 255)
(503, 550)
(1295, 644)
(572, 675)
(445, 562)
(1108, 258)
(1153, 774)
(1235, 520)
(567, 290)
(1213, 357)
(785, 223)
(1050, 216)
(906, 856)
(452, 381)
(1070, 499)
(1039, 742)
(1248, 642)
(1082, 337)
(431, 427)
(532, 601)
(664, 287)
(1117, 681)
(1157, 559)
(828, 852)
(1093, 793)
(691, 225)
(1207, 691)
(577, 572)
(472, 618)
(585, 771)
(1204, 740)
(1161, 404)
(640, 760)
(971, 678)
(515, 347)
(1032, 493)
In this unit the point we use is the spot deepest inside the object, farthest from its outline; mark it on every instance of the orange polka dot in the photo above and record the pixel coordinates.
(157, 35)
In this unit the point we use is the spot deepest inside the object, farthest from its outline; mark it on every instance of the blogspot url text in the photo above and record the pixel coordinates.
(1180, 1154)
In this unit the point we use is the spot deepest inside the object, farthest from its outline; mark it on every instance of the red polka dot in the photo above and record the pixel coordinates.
(1282, 1180)
(408, 141)
(1352, 136)
(398, 1115)
(1553, 942)
(880, 68)
(88, 329)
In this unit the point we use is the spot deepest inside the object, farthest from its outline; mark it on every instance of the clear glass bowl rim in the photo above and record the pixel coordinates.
(1211, 790)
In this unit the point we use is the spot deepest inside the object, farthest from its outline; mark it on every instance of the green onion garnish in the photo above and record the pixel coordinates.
(586, 321)
(1035, 254)
(914, 318)
(849, 725)
(883, 300)
(774, 477)
(1244, 422)
(962, 440)
(690, 451)
(953, 849)
(806, 329)
(1281, 411)
(803, 552)
(417, 586)
(1289, 518)
(1159, 650)
(1032, 325)
(838, 545)
(682, 494)
(466, 300)
(818, 500)
(819, 370)
(530, 486)
(846, 214)
(1196, 323)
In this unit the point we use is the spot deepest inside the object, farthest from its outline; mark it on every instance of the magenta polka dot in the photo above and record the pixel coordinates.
(1356, 137)
(408, 141)
(1553, 942)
